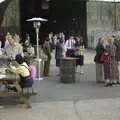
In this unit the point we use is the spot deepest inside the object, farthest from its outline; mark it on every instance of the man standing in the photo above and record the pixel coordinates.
(47, 51)
(59, 52)
(69, 46)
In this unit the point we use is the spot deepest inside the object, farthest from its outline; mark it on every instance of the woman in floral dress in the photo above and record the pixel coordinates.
(110, 65)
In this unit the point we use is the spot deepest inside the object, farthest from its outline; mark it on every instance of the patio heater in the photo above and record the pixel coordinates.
(36, 24)
(2, 1)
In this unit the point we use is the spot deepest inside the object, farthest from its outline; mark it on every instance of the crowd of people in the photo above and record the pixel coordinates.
(22, 54)
(12, 51)
(107, 60)
(72, 46)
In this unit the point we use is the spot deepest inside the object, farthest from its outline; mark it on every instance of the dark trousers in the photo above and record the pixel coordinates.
(46, 68)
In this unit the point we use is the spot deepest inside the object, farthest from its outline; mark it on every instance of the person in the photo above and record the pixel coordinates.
(6, 42)
(54, 41)
(32, 67)
(4, 61)
(50, 37)
(23, 70)
(18, 45)
(117, 56)
(26, 43)
(99, 64)
(110, 65)
(81, 42)
(14, 47)
(63, 36)
(79, 54)
(30, 50)
(69, 45)
(77, 41)
(59, 52)
(47, 51)
(29, 63)
(10, 50)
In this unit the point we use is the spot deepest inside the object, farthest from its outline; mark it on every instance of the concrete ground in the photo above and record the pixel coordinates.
(80, 101)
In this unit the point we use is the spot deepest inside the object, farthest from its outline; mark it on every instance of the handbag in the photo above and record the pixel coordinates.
(104, 57)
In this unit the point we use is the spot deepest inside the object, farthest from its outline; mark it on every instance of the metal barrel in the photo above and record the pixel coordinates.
(67, 70)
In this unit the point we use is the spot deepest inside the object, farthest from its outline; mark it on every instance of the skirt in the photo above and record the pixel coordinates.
(26, 82)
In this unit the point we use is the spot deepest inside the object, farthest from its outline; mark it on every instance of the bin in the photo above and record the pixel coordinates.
(67, 70)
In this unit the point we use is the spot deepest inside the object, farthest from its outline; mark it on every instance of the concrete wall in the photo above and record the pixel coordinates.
(102, 18)
(11, 17)
(118, 16)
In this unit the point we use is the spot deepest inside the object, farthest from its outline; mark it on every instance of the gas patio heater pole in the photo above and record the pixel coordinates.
(36, 25)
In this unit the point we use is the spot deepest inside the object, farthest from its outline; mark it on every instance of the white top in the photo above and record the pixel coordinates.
(69, 44)
(25, 64)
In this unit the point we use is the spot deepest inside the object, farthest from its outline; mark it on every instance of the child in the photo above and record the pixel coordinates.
(32, 68)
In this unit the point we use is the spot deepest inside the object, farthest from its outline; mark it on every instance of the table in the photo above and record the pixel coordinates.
(6, 79)
(9, 78)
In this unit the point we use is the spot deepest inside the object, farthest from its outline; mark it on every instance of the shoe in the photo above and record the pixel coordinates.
(108, 85)
(34, 93)
(81, 73)
(118, 82)
(46, 75)
(114, 83)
